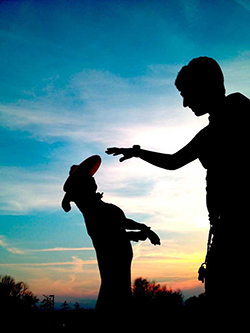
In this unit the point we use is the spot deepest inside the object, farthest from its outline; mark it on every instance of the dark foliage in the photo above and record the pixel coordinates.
(152, 306)
(149, 296)
(16, 295)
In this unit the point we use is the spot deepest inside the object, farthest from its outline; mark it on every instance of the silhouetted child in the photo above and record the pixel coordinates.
(106, 225)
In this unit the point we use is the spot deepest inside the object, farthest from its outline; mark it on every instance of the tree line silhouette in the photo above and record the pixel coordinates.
(150, 300)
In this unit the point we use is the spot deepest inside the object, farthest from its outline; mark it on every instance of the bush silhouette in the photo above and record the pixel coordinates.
(16, 295)
(151, 304)
(154, 298)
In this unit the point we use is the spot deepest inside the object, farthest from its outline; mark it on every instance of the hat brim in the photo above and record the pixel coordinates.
(86, 168)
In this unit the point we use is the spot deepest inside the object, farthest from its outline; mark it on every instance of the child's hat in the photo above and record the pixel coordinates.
(87, 168)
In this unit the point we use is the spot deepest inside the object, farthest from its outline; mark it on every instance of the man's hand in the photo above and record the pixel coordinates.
(126, 152)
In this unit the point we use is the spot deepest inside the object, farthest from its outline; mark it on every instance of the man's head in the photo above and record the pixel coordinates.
(201, 84)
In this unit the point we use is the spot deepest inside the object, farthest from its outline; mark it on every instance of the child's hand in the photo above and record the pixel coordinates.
(153, 237)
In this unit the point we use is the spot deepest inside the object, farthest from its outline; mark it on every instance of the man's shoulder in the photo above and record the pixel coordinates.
(238, 109)
(238, 99)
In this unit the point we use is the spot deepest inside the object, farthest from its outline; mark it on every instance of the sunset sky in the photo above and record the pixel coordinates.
(78, 77)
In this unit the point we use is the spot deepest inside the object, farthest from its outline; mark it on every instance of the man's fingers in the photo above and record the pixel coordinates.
(117, 152)
(112, 150)
(123, 159)
(126, 152)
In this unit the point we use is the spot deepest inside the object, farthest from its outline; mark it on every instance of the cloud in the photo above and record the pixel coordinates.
(244, 3)
(137, 187)
(8, 247)
(98, 109)
(93, 102)
(63, 249)
(95, 110)
(25, 190)
(33, 264)
(76, 276)
(76, 262)
(191, 10)
(175, 262)
(236, 72)
(72, 285)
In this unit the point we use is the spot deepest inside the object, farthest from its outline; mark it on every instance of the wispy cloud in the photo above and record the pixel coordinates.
(75, 262)
(244, 3)
(93, 102)
(62, 249)
(191, 10)
(101, 109)
(28, 189)
(171, 263)
(95, 108)
(8, 247)
(98, 106)
(236, 72)
(79, 285)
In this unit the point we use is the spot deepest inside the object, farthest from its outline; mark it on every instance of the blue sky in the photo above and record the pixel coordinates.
(80, 76)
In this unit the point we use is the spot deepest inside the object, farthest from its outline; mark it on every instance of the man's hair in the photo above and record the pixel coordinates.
(201, 73)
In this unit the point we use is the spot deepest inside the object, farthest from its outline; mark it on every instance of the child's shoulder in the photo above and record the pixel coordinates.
(114, 208)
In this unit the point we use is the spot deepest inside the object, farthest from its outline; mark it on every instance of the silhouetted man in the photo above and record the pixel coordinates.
(222, 148)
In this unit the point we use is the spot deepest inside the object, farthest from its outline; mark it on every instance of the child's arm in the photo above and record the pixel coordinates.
(136, 235)
(144, 233)
(132, 225)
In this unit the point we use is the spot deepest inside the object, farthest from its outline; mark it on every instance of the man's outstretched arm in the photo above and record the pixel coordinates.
(166, 161)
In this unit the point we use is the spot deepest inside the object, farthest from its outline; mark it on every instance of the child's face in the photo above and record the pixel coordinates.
(82, 189)
(85, 187)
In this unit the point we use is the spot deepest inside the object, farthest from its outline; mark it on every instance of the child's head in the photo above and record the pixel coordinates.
(81, 185)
